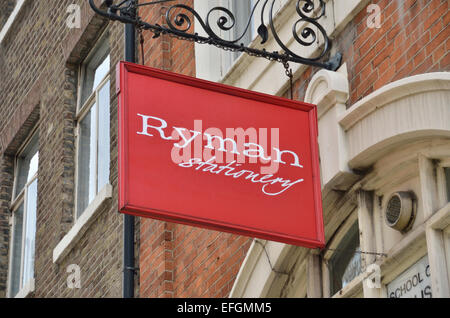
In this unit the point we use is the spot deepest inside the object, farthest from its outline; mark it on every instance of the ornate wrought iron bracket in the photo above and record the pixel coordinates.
(179, 24)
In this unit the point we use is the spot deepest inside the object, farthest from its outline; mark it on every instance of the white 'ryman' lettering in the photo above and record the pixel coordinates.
(186, 141)
(248, 152)
(146, 126)
(222, 143)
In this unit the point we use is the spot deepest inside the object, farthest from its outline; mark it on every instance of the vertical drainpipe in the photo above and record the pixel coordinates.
(128, 224)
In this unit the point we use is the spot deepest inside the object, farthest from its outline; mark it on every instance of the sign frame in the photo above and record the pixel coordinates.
(123, 70)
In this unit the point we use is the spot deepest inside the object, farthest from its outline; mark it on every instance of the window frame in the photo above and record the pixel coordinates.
(221, 62)
(84, 108)
(229, 58)
(217, 63)
(443, 192)
(103, 40)
(347, 239)
(16, 201)
(355, 286)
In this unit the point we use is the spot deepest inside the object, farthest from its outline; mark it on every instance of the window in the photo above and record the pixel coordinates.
(93, 127)
(242, 11)
(24, 206)
(214, 63)
(443, 181)
(346, 263)
(447, 182)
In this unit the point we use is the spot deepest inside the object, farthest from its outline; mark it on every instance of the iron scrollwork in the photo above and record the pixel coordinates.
(179, 19)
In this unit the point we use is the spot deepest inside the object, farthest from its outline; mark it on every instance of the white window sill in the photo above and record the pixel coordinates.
(441, 219)
(353, 288)
(82, 224)
(26, 290)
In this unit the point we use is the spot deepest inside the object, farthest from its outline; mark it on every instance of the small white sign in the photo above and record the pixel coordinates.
(415, 282)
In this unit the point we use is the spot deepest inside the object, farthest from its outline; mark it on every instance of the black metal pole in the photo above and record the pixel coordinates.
(128, 224)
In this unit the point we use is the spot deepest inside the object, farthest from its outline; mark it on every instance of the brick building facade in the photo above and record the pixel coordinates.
(42, 63)
(40, 59)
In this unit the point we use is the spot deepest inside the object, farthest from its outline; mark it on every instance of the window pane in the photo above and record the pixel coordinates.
(242, 11)
(101, 71)
(30, 233)
(103, 137)
(353, 268)
(34, 162)
(95, 71)
(16, 251)
(346, 263)
(27, 164)
(86, 183)
(447, 182)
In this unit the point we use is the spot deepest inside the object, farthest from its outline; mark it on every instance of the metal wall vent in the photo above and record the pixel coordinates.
(401, 211)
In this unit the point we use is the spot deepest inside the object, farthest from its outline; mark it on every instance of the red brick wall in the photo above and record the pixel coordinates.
(178, 260)
(413, 39)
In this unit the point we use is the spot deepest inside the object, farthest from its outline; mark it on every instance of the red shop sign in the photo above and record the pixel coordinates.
(218, 157)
